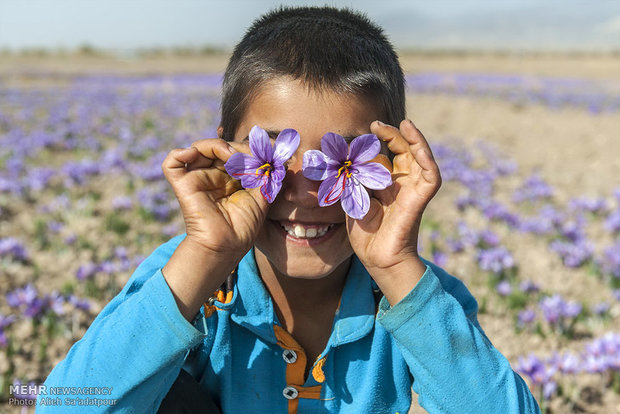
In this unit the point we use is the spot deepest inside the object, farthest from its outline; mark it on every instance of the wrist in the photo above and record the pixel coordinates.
(397, 280)
(193, 273)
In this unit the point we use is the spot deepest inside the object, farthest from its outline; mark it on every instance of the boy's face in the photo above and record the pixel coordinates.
(285, 103)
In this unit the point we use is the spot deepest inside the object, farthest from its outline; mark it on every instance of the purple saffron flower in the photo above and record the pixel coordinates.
(6, 321)
(495, 259)
(78, 303)
(610, 263)
(22, 296)
(86, 271)
(527, 286)
(55, 302)
(526, 317)
(122, 203)
(533, 188)
(612, 223)
(440, 258)
(567, 363)
(504, 288)
(265, 167)
(601, 308)
(345, 171)
(13, 248)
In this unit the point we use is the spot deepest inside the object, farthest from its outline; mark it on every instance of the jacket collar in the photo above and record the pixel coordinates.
(252, 306)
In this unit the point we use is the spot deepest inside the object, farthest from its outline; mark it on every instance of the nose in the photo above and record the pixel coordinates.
(296, 188)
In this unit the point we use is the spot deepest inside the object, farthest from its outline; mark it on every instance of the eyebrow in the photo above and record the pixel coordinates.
(273, 134)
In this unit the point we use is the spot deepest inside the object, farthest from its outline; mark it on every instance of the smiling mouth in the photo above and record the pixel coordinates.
(300, 231)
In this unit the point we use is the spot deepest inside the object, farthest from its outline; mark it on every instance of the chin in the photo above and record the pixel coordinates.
(302, 260)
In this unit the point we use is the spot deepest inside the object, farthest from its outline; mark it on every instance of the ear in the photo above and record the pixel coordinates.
(220, 132)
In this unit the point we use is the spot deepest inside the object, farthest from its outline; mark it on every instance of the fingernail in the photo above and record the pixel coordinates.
(379, 123)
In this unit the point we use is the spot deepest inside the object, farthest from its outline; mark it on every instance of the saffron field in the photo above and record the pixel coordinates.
(528, 215)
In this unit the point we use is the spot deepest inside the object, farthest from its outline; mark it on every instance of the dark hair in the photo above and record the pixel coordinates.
(327, 48)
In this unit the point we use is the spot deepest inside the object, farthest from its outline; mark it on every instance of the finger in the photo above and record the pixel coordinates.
(176, 161)
(395, 142)
(429, 168)
(204, 162)
(414, 137)
(214, 149)
(383, 160)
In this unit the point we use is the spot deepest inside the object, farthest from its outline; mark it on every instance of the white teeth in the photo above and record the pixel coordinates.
(300, 232)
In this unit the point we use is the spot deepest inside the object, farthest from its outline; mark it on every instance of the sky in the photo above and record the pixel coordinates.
(125, 25)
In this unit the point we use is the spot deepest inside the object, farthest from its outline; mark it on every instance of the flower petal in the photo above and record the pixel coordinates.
(373, 175)
(278, 173)
(364, 148)
(331, 189)
(260, 145)
(335, 147)
(270, 189)
(355, 200)
(243, 167)
(286, 145)
(315, 165)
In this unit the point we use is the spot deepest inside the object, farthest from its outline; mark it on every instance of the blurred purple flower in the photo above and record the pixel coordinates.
(122, 203)
(556, 310)
(526, 317)
(504, 288)
(13, 248)
(106, 267)
(527, 286)
(38, 178)
(77, 171)
(610, 262)
(540, 374)
(22, 296)
(468, 236)
(600, 308)
(533, 188)
(55, 302)
(489, 238)
(55, 226)
(612, 222)
(439, 258)
(6, 321)
(496, 259)
(78, 303)
(86, 271)
(454, 245)
(573, 254)
(566, 363)
(591, 205)
(265, 167)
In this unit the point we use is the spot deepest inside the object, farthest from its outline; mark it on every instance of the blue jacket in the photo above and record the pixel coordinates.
(241, 355)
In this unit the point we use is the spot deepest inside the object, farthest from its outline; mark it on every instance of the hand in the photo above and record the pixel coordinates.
(386, 239)
(222, 220)
(219, 215)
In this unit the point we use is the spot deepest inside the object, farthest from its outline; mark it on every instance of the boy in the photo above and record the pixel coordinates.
(299, 326)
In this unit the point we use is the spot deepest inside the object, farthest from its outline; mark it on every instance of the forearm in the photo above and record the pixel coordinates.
(455, 367)
(136, 346)
(398, 280)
